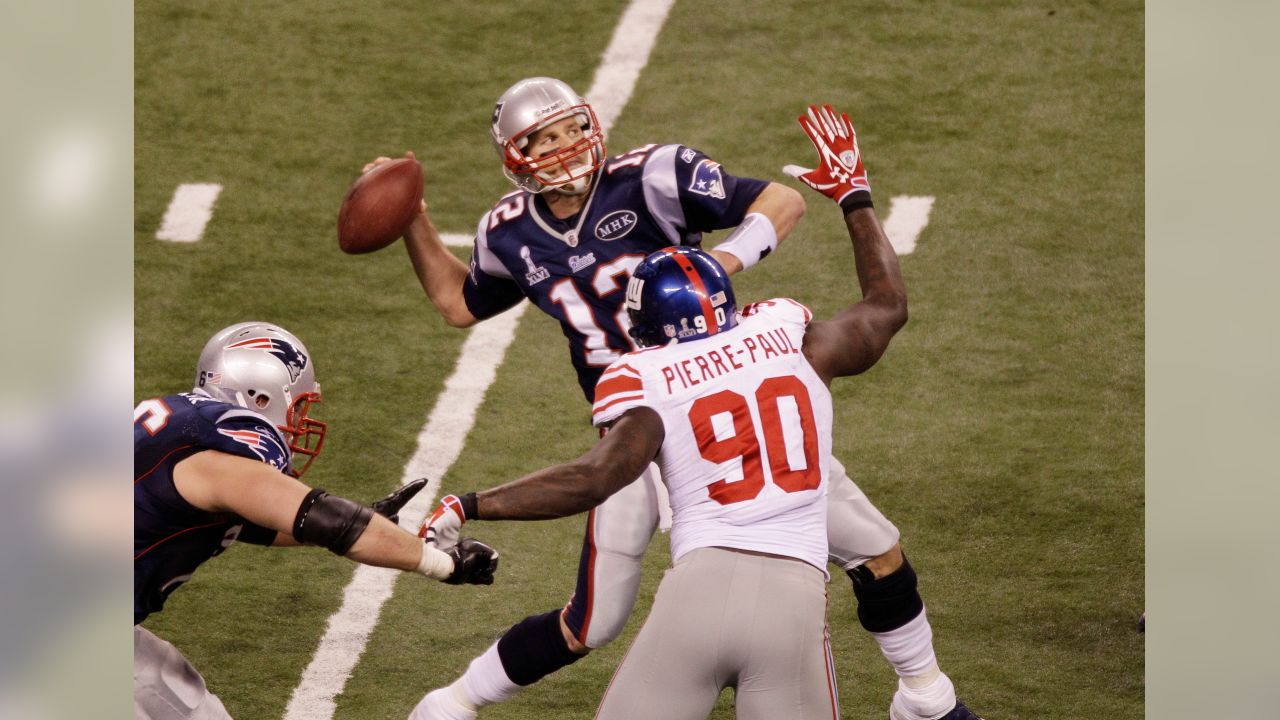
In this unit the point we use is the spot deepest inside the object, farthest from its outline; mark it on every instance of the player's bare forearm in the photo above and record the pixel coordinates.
(855, 339)
(570, 488)
(877, 264)
(731, 264)
(440, 273)
(783, 206)
(385, 544)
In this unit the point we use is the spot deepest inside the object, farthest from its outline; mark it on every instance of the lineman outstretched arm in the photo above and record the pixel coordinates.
(573, 487)
(219, 482)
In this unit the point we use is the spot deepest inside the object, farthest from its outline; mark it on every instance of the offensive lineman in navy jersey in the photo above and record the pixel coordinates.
(567, 240)
(217, 465)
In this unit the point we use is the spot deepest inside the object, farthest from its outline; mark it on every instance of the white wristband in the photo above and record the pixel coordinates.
(751, 240)
(434, 564)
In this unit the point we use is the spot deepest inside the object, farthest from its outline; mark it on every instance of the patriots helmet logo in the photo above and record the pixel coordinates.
(293, 359)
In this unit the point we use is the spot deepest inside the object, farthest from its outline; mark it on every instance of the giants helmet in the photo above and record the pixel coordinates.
(529, 106)
(266, 369)
(679, 293)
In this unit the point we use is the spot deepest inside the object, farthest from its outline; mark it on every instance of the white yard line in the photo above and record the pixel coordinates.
(439, 444)
(189, 212)
(908, 217)
(626, 56)
(442, 438)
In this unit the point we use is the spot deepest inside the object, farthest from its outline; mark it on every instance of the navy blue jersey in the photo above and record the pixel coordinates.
(172, 537)
(576, 270)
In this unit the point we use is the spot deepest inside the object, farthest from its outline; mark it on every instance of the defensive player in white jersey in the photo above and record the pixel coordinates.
(736, 412)
(566, 240)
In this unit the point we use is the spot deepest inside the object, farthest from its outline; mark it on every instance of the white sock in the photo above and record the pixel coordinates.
(909, 649)
(485, 682)
(924, 691)
(924, 697)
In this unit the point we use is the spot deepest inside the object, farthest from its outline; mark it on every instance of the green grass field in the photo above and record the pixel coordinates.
(1002, 432)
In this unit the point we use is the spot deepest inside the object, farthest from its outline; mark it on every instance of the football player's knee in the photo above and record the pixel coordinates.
(889, 602)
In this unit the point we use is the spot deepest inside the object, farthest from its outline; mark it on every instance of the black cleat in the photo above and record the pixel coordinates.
(960, 712)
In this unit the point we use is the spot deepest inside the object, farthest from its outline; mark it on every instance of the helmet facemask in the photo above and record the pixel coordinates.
(568, 170)
(534, 104)
(305, 435)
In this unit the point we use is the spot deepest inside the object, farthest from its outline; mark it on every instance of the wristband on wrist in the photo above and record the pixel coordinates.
(855, 200)
(752, 240)
(434, 563)
(468, 503)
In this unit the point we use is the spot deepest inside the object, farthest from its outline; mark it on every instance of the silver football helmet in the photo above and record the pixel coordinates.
(265, 368)
(531, 105)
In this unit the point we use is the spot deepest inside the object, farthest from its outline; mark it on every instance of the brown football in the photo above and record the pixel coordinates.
(379, 206)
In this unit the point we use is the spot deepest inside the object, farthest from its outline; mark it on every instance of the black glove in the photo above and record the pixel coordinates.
(473, 563)
(389, 506)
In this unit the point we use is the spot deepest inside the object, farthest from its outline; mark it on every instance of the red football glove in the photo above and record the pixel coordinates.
(441, 528)
(840, 174)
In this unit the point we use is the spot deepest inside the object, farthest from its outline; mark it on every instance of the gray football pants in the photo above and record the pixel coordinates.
(726, 618)
(166, 686)
(618, 533)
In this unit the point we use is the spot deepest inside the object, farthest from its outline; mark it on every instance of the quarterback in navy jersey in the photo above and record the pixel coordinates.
(567, 240)
(218, 464)
(576, 269)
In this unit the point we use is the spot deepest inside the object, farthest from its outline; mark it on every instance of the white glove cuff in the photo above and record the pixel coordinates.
(434, 564)
(751, 241)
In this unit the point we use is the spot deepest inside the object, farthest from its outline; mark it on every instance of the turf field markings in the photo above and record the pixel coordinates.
(908, 217)
(189, 212)
(442, 438)
(439, 443)
(626, 56)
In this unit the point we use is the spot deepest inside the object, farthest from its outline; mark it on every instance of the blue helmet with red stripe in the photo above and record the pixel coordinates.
(679, 293)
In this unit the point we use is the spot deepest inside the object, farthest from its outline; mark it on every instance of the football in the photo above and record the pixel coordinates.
(379, 206)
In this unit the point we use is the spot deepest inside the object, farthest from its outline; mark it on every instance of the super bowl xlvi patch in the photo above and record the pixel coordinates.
(615, 225)
(707, 179)
(536, 273)
(577, 262)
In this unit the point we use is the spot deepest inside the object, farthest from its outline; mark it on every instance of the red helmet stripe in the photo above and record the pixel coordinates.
(694, 277)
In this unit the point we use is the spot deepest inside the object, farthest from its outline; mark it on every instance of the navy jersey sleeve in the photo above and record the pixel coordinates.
(708, 197)
(245, 433)
(488, 288)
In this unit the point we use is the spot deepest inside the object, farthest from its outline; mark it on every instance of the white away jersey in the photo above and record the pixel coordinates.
(748, 433)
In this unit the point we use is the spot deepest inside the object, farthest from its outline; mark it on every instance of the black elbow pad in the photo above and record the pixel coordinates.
(330, 521)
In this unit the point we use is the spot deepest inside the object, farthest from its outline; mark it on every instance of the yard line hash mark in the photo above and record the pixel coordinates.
(908, 216)
(189, 212)
(442, 438)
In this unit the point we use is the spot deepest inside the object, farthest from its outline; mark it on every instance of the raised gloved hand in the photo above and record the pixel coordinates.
(840, 174)
(389, 506)
(473, 563)
(442, 526)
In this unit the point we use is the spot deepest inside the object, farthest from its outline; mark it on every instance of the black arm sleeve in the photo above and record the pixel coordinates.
(330, 521)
